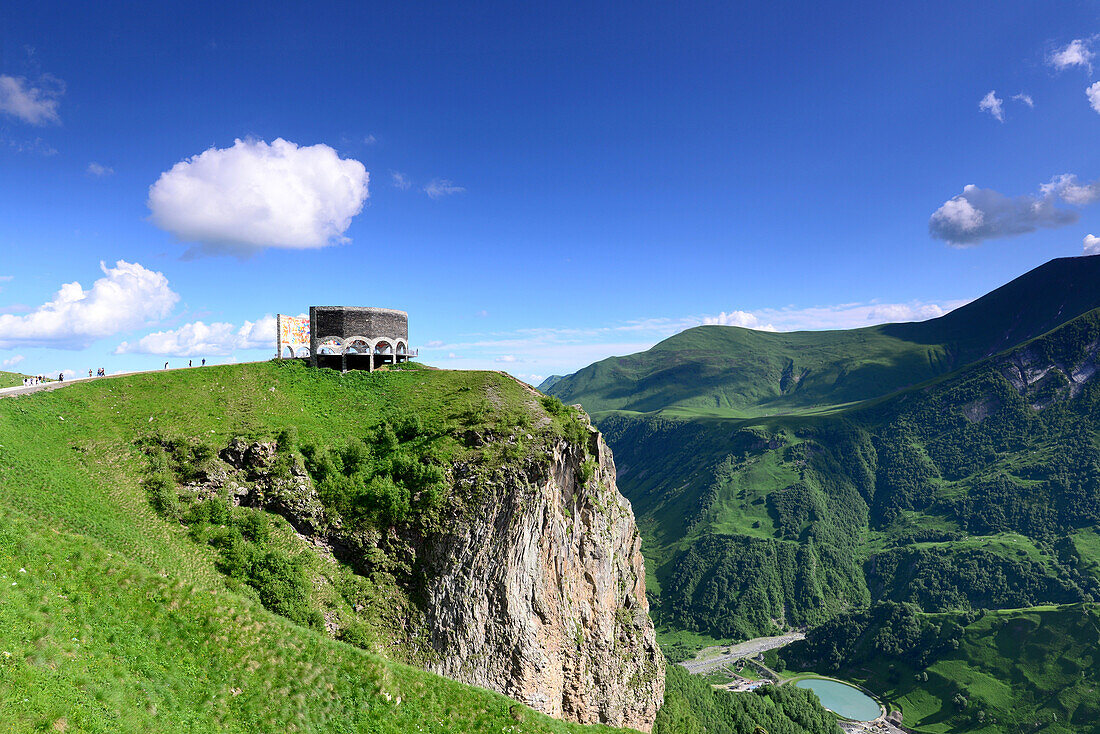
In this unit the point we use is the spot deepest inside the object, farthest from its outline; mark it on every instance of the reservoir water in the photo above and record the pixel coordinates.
(842, 699)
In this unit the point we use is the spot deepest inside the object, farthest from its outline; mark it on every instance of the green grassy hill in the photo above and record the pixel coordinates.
(125, 606)
(10, 379)
(999, 671)
(113, 619)
(727, 371)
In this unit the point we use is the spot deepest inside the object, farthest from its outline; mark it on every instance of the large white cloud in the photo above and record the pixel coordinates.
(198, 339)
(981, 214)
(126, 297)
(253, 196)
(1093, 93)
(1092, 244)
(32, 103)
(1066, 187)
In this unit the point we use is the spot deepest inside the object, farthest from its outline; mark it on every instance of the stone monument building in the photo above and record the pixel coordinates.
(357, 337)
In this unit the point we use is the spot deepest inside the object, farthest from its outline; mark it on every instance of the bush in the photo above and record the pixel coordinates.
(161, 490)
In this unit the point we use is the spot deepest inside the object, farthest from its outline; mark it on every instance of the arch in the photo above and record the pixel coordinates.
(287, 352)
(302, 352)
(357, 345)
(402, 347)
(330, 345)
(383, 346)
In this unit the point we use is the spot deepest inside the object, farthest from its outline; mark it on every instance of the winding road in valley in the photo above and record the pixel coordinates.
(708, 662)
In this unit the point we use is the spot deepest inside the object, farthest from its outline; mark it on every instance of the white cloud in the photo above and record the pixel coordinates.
(1025, 99)
(1065, 185)
(12, 361)
(253, 196)
(1093, 93)
(1077, 53)
(994, 105)
(34, 104)
(370, 140)
(198, 339)
(400, 180)
(1092, 245)
(128, 296)
(506, 358)
(981, 214)
(99, 170)
(440, 187)
(738, 318)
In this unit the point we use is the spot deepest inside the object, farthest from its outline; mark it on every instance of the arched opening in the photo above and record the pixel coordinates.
(383, 347)
(357, 346)
(330, 345)
(288, 352)
(303, 352)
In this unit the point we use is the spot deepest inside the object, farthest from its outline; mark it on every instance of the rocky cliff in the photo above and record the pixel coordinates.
(538, 591)
(532, 584)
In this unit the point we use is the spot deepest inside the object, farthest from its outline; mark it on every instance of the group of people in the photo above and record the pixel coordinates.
(36, 380)
(101, 372)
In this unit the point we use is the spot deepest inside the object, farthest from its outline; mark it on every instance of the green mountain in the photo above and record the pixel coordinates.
(728, 371)
(787, 480)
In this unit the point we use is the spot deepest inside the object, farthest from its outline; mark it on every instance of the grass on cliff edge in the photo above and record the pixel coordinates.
(112, 620)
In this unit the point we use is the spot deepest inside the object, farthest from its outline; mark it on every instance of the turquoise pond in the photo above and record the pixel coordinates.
(842, 699)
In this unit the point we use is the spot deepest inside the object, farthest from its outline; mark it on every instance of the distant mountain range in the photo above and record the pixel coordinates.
(813, 479)
(729, 371)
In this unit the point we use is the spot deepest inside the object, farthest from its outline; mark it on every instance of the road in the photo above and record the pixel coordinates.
(8, 392)
(713, 658)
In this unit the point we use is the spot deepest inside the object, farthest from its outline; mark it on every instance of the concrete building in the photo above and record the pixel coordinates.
(353, 337)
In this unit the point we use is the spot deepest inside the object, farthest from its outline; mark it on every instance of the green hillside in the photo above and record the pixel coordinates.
(10, 379)
(791, 506)
(727, 371)
(998, 671)
(131, 603)
(113, 619)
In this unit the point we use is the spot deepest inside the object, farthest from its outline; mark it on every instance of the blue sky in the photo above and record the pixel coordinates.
(539, 186)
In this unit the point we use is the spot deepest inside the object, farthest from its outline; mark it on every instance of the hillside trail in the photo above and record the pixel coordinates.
(8, 392)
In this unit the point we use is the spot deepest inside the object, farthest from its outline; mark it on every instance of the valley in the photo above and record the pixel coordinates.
(920, 473)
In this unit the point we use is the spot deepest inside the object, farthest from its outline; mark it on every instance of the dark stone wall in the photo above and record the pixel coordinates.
(345, 321)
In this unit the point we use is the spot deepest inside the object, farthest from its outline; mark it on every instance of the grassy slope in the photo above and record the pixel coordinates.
(1017, 667)
(10, 379)
(726, 371)
(113, 620)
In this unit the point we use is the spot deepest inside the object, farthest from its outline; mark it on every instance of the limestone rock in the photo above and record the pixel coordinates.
(538, 592)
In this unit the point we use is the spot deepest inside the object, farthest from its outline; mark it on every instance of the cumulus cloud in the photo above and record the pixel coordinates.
(34, 103)
(198, 339)
(253, 196)
(440, 187)
(1092, 245)
(126, 297)
(99, 170)
(738, 318)
(1093, 93)
(400, 180)
(1077, 53)
(1025, 99)
(12, 361)
(1066, 187)
(982, 214)
(994, 105)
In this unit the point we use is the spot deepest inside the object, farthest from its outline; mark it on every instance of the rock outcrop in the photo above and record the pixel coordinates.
(534, 585)
(538, 591)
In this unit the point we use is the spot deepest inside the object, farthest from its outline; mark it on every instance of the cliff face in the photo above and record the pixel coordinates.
(533, 584)
(538, 591)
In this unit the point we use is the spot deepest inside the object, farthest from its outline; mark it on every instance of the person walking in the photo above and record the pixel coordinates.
(204, 361)
(188, 363)
(165, 365)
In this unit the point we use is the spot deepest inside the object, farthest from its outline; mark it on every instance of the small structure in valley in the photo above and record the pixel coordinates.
(345, 337)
